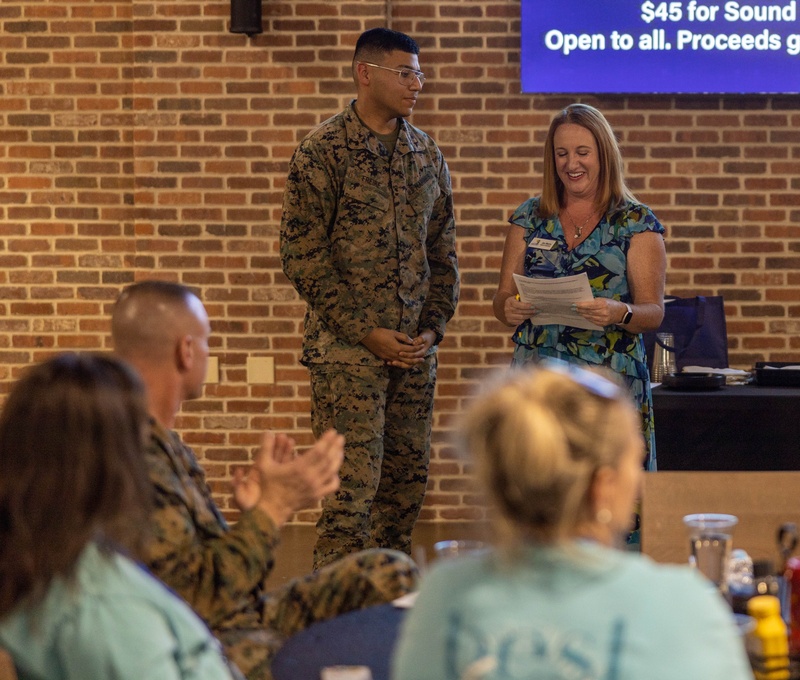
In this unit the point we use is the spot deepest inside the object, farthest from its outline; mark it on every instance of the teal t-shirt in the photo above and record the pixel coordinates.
(112, 621)
(580, 613)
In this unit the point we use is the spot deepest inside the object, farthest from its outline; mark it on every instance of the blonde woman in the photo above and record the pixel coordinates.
(558, 451)
(587, 221)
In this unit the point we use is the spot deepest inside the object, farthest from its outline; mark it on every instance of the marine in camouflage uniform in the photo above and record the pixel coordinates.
(368, 241)
(220, 571)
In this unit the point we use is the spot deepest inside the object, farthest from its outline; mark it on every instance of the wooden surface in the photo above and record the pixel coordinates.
(761, 500)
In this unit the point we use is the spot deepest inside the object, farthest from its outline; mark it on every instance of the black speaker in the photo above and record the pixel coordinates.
(246, 17)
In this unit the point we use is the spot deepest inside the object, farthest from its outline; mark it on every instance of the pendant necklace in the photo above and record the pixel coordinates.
(578, 229)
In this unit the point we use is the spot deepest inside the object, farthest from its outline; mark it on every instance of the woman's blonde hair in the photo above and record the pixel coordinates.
(537, 439)
(612, 190)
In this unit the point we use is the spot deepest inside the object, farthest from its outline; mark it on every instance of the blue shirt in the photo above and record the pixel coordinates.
(603, 258)
(580, 612)
(112, 621)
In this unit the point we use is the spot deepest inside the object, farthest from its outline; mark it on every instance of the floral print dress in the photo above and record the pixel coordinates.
(603, 257)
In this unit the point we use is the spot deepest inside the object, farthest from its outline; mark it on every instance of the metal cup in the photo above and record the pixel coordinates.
(663, 358)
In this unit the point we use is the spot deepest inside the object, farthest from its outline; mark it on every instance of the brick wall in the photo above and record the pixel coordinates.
(139, 138)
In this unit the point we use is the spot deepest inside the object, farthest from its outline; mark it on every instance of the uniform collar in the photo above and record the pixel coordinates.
(359, 135)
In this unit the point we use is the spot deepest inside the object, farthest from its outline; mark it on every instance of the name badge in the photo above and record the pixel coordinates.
(541, 243)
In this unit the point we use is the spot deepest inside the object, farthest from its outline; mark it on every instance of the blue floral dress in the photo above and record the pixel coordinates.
(603, 257)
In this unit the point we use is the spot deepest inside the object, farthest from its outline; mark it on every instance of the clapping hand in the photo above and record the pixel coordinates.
(281, 482)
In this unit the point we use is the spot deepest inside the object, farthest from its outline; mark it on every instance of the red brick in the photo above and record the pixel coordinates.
(134, 149)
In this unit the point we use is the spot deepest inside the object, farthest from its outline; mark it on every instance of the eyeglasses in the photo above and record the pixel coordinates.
(405, 76)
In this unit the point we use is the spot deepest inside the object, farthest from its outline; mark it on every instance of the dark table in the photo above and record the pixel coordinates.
(360, 638)
(736, 427)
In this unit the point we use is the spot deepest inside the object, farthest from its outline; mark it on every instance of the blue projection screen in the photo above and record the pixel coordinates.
(627, 47)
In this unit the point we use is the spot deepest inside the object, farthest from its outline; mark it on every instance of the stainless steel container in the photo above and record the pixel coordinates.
(663, 357)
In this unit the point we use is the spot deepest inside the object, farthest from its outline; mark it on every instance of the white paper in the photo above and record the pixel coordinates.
(553, 298)
(346, 673)
(717, 371)
(406, 601)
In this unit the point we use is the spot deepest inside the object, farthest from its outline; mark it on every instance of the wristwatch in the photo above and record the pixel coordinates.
(628, 315)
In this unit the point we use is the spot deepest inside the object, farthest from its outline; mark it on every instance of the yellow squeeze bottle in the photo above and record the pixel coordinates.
(768, 642)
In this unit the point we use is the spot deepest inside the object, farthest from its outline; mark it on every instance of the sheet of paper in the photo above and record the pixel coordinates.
(554, 299)
(720, 371)
(406, 601)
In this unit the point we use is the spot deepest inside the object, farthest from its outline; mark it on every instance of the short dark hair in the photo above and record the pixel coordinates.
(72, 469)
(144, 315)
(167, 290)
(382, 41)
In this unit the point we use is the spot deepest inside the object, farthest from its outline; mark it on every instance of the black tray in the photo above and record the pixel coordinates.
(777, 376)
(693, 381)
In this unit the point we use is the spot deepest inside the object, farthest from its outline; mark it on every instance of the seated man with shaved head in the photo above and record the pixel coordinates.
(162, 329)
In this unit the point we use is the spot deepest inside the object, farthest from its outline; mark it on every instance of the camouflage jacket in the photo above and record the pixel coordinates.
(368, 239)
(218, 570)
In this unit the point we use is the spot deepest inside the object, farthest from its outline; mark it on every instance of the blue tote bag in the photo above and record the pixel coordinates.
(699, 330)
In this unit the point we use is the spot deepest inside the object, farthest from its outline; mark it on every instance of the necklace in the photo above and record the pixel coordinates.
(578, 229)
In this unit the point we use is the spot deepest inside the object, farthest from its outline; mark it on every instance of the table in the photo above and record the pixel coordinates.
(761, 500)
(736, 427)
(360, 638)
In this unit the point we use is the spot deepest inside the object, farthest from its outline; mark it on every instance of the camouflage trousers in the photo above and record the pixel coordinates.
(362, 580)
(385, 415)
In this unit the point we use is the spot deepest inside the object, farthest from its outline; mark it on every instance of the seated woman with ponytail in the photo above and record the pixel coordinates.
(558, 452)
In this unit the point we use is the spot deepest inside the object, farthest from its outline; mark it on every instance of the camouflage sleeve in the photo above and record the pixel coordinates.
(213, 567)
(216, 576)
(309, 210)
(440, 303)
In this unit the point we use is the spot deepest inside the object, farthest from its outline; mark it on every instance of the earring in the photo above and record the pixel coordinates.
(603, 516)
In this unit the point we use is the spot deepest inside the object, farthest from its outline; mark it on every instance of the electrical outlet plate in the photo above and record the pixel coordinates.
(212, 371)
(260, 370)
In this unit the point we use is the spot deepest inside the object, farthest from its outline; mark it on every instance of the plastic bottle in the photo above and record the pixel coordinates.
(740, 580)
(768, 642)
(767, 582)
(793, 579)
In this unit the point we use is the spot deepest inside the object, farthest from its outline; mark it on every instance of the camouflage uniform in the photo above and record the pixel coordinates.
(220, 571)
(368, 240)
